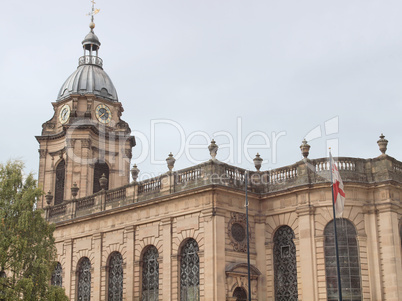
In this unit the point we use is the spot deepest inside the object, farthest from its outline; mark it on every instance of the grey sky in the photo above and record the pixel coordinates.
(281, 66)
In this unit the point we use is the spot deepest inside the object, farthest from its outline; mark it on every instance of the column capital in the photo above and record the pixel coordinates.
(166, 221)
(305, 210)
(129, 229)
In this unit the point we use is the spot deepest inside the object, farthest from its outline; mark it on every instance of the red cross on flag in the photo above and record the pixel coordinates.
(339, 193)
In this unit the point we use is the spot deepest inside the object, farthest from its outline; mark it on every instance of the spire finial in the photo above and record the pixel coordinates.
(93, 12)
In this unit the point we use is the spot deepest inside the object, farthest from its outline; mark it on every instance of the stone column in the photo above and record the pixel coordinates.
(129, 275)
(390, 251)
(307, 253)
(68, 268)
(97, 265)
(167, 259)
(260, 260)
(373, 254)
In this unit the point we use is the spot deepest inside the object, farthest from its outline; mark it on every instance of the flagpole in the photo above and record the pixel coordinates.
(335, 232)
(248, 239)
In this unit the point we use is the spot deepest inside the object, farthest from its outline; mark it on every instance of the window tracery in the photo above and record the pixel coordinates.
(150, 275)
(285, 269)
(115, 273)
(189, 272)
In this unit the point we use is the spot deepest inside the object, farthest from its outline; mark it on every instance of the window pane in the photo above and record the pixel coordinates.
(150, 275)
(189, 272)
(348, 261)
(115, 288)
(84, 280)
(285, 272)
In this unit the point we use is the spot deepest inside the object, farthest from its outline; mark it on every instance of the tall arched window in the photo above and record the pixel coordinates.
(150, 275)
(348, 260)
(285, 270)
(189, 272)
(99, 170)
(59, 187)
(84, 280)
(115, 272)
(57, 277)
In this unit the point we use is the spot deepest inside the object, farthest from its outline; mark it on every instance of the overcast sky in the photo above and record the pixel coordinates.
(330, 71)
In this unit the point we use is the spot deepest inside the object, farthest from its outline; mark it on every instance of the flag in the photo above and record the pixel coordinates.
(337, 186)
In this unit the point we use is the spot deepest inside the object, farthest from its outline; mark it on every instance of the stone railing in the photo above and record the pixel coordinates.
(150, 185)
(85, 203)
(57, 210)
(116, 194)
(216, 173)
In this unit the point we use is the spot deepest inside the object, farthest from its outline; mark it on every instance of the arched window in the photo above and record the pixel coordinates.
(60, 177)
(84, 280)
(189, 272)
(348, 260)
(240, 294)
(115, 272)
(57, 278)
(99, 170)
(150, 275)
(285, 271)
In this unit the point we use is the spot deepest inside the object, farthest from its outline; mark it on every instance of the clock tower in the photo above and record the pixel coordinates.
(86, 139)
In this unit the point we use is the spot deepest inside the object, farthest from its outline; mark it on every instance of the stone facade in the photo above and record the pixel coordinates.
(182, 235)
(203, 202)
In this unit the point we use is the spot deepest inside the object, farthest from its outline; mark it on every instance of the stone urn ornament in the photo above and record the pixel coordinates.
(48, 197)
(134, 172)
(170, 160)
(382, 144)
(257, 161)
(103, 182)
(213, 149)
(74, 190)
(305, 148)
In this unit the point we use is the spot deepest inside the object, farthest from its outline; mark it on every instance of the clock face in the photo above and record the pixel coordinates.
(103, 114)
(64, 114)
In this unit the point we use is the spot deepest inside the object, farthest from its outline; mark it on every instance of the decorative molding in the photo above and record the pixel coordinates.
(237, 231)
(86, 143)
(70, 143)
(42, 153)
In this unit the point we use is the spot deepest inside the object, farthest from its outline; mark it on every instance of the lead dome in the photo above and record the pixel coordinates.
(89, 78)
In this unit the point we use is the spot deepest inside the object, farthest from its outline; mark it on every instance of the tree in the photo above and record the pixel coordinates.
(27, 249)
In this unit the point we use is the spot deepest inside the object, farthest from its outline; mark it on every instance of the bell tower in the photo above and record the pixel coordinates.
(86, 138)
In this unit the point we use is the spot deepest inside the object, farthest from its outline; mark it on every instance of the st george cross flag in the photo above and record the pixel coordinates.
(339, 193)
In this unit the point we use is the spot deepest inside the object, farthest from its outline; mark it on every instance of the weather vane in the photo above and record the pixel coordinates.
(94, 11)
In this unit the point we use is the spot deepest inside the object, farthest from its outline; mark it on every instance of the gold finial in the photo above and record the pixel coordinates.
(93, 12)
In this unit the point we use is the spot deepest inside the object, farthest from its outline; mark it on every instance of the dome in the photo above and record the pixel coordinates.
(89, 79)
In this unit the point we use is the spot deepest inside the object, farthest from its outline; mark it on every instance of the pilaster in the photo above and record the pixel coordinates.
(68, 245)
(373, 253)
(129, 273)
(390, 251)
(97, 241)
(167, 259)
(260, 260)
(307, 256)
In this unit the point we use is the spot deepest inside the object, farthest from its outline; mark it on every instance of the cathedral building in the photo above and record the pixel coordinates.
(183, 235)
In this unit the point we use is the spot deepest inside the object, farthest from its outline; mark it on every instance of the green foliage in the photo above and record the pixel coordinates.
(27, 249)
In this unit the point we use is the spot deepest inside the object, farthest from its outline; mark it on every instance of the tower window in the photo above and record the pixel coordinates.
(99, 170)
(60, 178)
